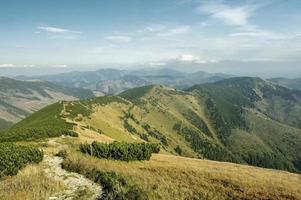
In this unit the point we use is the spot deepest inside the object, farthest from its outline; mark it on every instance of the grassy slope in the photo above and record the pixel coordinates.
(21, 98)
(172, 177)
(167, 176)
(30, 184)
(254, 110)
(228, 121)
(49, 116)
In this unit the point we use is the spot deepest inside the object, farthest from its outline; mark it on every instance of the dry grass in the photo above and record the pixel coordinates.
(171, 177)
(30, 184)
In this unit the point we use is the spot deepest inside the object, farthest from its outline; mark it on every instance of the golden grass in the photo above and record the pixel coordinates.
(30, 184)
(172, 177)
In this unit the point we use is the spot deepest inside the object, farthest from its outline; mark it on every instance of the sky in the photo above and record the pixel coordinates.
(252, 37)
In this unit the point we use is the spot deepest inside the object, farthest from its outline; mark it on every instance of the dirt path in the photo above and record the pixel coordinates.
(77, 185)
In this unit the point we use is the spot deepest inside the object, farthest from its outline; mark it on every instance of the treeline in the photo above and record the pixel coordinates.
(155, 134)
(29, 134)
(149, 131)
(195, 120)
(121, 150)
(268, 160)
(14, 157)
(203, 145)
(222, 128)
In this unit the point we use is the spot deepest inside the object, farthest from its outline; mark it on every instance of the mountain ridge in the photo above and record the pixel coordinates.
(113, 81)
(20, 98)
(214, 121)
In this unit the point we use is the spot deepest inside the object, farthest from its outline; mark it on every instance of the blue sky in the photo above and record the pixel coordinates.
(63, 33)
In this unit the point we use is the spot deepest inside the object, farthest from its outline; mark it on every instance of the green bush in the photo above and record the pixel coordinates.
(155, 134)
(13, 157)
(121, 150)
(178, 149)
(29, 134)
(62, 153)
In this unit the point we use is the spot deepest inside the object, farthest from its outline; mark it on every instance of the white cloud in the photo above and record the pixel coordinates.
(119, 38)
(52, 29)
(7, 65)
(175, 31)
(233, 16)
(188, 58)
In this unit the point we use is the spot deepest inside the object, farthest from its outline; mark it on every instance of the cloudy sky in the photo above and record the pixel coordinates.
(219, 36)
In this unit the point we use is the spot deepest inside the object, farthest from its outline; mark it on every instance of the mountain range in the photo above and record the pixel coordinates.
(243, 120)
(113, 81)
(289, 83)
(207, 141)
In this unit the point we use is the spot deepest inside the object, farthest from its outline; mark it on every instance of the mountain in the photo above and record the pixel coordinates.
(242, 120)
(113, 81)
(18, 99)
(286, 82)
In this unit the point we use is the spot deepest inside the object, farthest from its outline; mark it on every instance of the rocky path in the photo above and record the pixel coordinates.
(76, 185)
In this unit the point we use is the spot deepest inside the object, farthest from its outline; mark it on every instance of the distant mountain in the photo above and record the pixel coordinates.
(242, 120)
(19, 99)
(290, 83)
(113, 81)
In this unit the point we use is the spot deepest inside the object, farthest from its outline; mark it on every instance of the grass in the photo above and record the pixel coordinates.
(171, 177)
(30, 184)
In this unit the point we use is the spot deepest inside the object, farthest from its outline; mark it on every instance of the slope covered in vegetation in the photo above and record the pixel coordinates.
(18, 99)
(214, 121)
(235, 120)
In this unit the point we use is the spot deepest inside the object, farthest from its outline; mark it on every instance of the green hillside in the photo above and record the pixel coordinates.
(236, 120)
(18, 99)
(258, 121)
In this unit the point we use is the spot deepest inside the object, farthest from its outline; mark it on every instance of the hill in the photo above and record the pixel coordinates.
(286, 82)
(19, 99)
(112, 81)
(236, 120)
(242, 120)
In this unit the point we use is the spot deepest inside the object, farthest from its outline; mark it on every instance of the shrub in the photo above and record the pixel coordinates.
(62, 153)
(121, 150)
(29, 134)
(14, 157)
(178, 149)
(155, 134)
